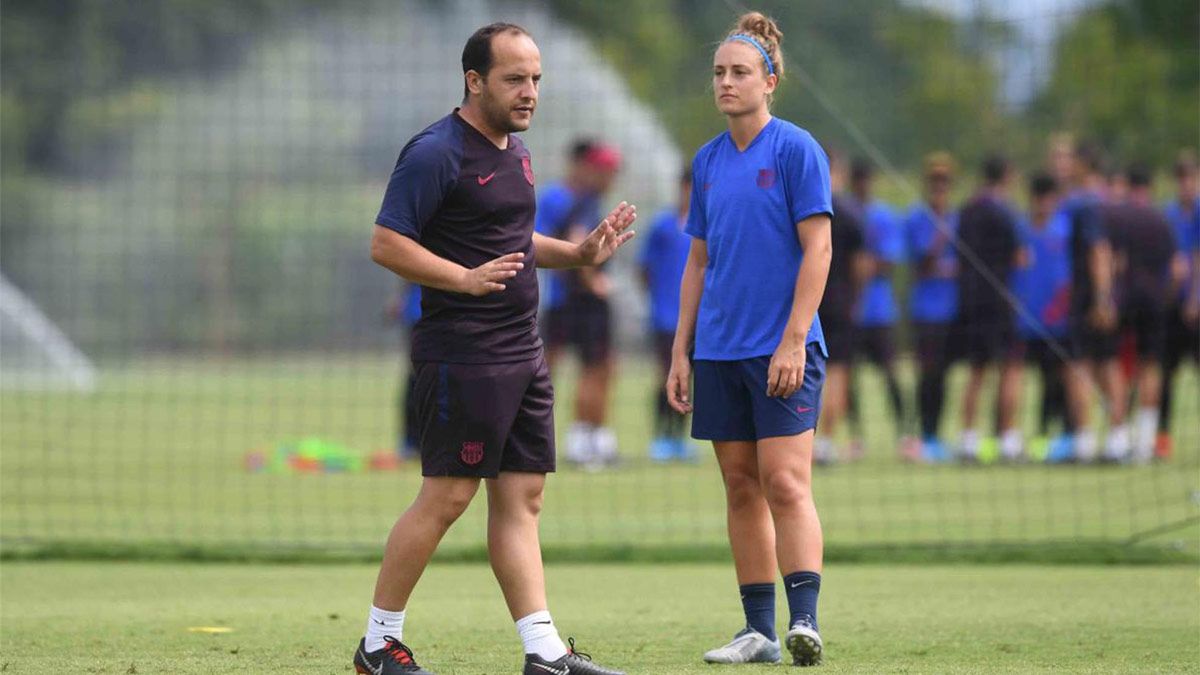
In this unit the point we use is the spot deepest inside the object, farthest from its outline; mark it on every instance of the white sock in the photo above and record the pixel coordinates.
(823, 450)
(540, 637)
(579, 442)
(1085, 446)
(1147, 431)
(970, 443)
(1010, 444)
(1119, 442)
(604, 444)
(381, 622)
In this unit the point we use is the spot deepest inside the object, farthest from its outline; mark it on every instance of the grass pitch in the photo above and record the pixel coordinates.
(134, 618)
(155, 457)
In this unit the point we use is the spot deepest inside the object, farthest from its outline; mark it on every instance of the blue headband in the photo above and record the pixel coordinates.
(754, 43)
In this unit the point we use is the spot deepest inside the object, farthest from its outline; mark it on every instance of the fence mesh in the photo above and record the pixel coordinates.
(188, 194)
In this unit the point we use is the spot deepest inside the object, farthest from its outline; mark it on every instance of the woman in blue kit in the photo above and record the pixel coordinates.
(760, 221)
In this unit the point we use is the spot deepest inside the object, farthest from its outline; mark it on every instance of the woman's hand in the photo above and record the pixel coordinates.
(786, 372)
(679, 384)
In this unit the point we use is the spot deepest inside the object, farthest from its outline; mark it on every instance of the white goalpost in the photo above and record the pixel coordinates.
(34, 352)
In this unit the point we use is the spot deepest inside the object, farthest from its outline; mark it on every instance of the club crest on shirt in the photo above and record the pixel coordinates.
(472, 452)
(528, 167)
(766, 178)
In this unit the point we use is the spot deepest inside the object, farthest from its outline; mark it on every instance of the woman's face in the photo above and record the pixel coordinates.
(740, 80)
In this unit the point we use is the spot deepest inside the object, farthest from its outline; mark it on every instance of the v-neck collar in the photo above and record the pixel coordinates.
(471, 129)
(761, 132)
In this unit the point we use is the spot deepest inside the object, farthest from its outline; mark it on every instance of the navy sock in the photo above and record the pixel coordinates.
(802, 589)
(758, 601)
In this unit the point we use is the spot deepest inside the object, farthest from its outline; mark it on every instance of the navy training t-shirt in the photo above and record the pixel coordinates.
(988, 227)
(467, 201)
(1082, 209)
(745, 205)
(849, 239)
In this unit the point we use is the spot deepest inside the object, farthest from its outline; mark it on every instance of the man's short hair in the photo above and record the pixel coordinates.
(1139, 175)
(1042, 184)
(477, 54)
(995, 168)
(861, 170)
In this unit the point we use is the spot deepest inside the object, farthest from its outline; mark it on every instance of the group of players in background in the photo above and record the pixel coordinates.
(1091, 282)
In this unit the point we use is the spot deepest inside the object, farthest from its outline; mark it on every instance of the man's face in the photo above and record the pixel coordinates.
(1187, 184)
(509, 93)
(937, 189)
(1043, 205)
(1060, 160)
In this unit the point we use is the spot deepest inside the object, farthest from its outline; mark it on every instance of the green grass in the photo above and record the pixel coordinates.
(127, 618)
(155, 457)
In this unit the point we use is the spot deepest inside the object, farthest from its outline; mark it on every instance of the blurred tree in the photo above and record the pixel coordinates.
(1128, 75)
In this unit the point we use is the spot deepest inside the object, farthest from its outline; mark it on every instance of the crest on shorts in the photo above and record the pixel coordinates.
(472, 452)
(528, 167)
(766, 178)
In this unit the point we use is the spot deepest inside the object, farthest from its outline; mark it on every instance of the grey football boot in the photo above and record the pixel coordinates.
(748, 646)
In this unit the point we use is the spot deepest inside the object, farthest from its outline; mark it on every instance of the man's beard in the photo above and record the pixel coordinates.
(498, 117)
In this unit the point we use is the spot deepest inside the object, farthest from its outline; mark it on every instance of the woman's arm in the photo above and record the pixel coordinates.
(690, 290)
(786, 372)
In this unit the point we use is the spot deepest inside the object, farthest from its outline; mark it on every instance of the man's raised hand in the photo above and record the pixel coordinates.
(608, 236)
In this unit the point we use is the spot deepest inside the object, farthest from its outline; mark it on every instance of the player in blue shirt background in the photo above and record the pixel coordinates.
(662, 260)
(760, 218)
(407, 311)
(877, 311)
(577, 312)
(929, 228)
(1183, 315)
(1043, 287)
(1093, 318)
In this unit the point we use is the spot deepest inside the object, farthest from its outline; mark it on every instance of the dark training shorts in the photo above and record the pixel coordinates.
(875, 344)
(731, 402)
(1148, 322)
(1088, 343)
(585, 323)
(985, 339)
(840, 339)
(477, 420)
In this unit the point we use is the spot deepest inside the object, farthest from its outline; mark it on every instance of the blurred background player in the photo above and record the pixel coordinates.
(847, 271)
(1183, 313)
(929, 227)
(987, 226)
(876, 312)
(1043, 287)
(1144, 247)
(1093, 311)
(662, 260)
(406, 310)
(578, 313)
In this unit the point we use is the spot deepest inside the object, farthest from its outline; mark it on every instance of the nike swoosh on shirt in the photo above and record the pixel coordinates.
(484, 180)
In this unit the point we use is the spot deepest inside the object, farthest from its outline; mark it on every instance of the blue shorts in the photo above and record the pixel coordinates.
(731, 402)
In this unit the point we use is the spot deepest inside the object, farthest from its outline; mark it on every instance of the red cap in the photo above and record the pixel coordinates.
(604, 157)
